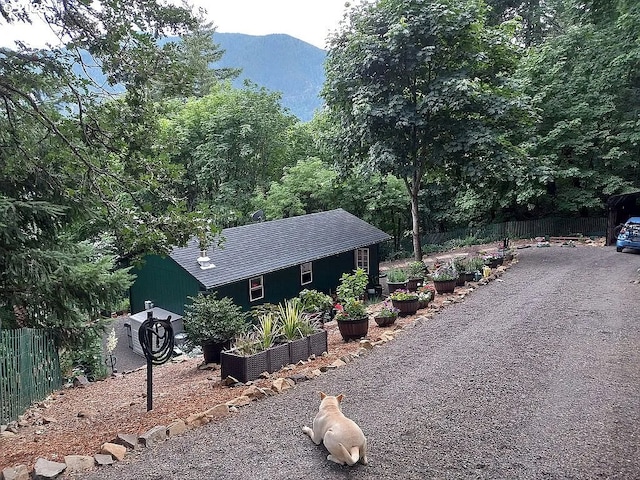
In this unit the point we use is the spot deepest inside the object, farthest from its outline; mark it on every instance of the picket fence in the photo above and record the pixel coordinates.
(29, 370)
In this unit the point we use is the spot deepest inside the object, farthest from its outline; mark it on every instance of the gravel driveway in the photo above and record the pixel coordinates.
(535, 376)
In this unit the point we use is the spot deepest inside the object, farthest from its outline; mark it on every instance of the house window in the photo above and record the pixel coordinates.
(306, 273)
(256, 288)
(362, 259)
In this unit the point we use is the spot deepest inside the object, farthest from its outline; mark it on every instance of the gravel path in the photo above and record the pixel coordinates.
(535, 376)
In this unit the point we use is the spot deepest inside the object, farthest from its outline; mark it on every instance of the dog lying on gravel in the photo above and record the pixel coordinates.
(342, 436)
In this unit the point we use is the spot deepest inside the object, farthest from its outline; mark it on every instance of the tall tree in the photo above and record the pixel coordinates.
(586, 85)
(420, 86)
(77, 162)
(229, 142)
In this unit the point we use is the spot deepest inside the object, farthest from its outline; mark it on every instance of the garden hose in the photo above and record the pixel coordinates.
(156, 339)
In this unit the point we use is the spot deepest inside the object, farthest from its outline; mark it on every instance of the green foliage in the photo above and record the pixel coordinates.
(475, 264)
(461, 264)
(403, 295)
(291, 319)
(211, 320)
(227, 144)
(416, 269)
(352, 285)
(267, 331)
(306, 187)
(444, 273)
(584, 83)
(314, 301)
(83, 192)
(422, 88)
(351, 309)
(397, 275)
(85, 358)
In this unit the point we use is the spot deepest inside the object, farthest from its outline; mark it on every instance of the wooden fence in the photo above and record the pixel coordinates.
(546, 227)
(555, 227)
(29, 370)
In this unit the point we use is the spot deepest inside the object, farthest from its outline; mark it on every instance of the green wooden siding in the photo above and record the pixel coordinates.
(167, 285)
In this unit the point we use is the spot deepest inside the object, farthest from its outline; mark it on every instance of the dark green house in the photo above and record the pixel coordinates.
(263, 262)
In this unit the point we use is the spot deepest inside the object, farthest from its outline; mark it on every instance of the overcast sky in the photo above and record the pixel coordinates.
(308, 20)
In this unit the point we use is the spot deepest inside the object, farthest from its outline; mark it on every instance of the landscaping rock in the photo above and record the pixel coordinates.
(217, 411)
(103, 459)
(240, 401)
(116, 451)
(79, 463)
(177, 427)
(81, 381)
(127, 440)
(154, 436)
(197, 419)
(338, 363)
(19, 472)
(254, 392)
(281, 384)
(45, 469)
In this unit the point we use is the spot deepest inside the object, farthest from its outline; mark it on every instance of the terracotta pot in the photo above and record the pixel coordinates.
(353, 329)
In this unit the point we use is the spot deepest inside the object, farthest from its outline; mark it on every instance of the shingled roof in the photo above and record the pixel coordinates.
(260, 248)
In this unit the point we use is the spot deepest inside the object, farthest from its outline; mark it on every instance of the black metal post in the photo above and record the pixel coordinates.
(149, 366)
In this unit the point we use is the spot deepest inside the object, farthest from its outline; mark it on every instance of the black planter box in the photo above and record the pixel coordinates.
(299, 349)
(278, 357)
(243, 368)
(303, 348)
(318, 343)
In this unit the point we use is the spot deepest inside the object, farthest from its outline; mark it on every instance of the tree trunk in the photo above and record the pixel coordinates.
(415, 223)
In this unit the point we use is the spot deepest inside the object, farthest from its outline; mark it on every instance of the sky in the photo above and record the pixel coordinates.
(308, 20)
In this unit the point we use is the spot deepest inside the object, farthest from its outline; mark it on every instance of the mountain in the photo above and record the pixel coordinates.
(279, 63)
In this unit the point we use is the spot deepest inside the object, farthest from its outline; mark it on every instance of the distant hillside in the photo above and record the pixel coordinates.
(279, 63)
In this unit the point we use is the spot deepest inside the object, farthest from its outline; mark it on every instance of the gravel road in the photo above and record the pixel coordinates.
(534, 376)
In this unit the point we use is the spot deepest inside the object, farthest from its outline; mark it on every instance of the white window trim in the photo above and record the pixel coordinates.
(256, 289)
(366, 261)
(303, 272)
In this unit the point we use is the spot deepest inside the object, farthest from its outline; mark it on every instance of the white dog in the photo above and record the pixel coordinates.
(342, 436)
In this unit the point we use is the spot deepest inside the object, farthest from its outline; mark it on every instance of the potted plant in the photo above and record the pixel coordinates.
(212, 323)
(302, 330)
(426, 293)
(445, 278)
(492, 260)
(475, 265)
(245, 360)
(415, 275)
(353, 285)
(387, 315)
(405, 301)
(352, 319)
(461, 266)
(315, 302)
(396, 279)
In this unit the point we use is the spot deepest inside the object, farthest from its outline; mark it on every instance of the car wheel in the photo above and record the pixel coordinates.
(618, 249)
